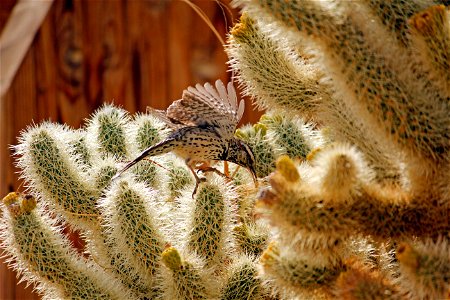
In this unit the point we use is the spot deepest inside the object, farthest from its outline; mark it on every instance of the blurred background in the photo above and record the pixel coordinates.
(134, 53)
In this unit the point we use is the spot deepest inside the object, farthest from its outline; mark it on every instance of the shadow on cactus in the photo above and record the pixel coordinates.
(352, 159)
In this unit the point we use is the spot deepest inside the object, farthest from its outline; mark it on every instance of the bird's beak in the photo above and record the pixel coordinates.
(255, 179)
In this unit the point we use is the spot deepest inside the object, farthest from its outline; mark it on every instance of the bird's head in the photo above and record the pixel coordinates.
(240, 153)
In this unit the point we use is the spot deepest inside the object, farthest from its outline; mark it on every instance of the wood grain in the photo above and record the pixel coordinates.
(86, 53)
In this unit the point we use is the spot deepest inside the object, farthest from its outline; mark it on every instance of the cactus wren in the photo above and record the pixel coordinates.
(203, 122)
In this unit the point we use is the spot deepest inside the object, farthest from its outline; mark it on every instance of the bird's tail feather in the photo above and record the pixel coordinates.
(160, 148)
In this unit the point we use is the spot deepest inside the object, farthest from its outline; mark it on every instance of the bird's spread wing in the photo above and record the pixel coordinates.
(208, 106)
(161, 115)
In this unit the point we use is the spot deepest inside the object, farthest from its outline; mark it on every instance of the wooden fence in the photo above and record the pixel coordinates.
(133, 53)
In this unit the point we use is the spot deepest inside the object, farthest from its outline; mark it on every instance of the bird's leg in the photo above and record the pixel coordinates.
(197, 179)
(226, 169)
(212, 169)
(235, 171)
(202, 166)
(205, 167)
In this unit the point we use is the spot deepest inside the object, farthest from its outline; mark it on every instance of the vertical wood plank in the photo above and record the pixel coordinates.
(116, 54)
(15, 113)
(207, 51)
(179, 47)
(72, 73)
(45, 56)
(151, 57)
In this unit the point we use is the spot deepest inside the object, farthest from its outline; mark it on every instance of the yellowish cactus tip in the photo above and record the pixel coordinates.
(358, 281)
(172, 259)
(287, 168)
(11, 198)
(240, 134)
(240, 29)
(407, 256)
(264, 118)
(313, 154)
(28, 204)
(261, 128)
(277, 118)
(269, 256)
(426, 21)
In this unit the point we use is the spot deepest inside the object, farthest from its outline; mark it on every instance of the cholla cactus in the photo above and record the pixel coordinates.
(375, 75)
(146, 236)
(352, 156)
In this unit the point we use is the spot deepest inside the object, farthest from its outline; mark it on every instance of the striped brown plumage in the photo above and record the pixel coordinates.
(203, 123)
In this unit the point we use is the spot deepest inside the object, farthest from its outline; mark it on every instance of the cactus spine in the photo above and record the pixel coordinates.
(380, 95)
(352, 159)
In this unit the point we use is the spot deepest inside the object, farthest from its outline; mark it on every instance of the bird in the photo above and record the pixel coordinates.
(202, 123)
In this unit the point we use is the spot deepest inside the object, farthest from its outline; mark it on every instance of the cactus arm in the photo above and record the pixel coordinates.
(132, 224)
(44, 256)
(270, 75)
(50, 170)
